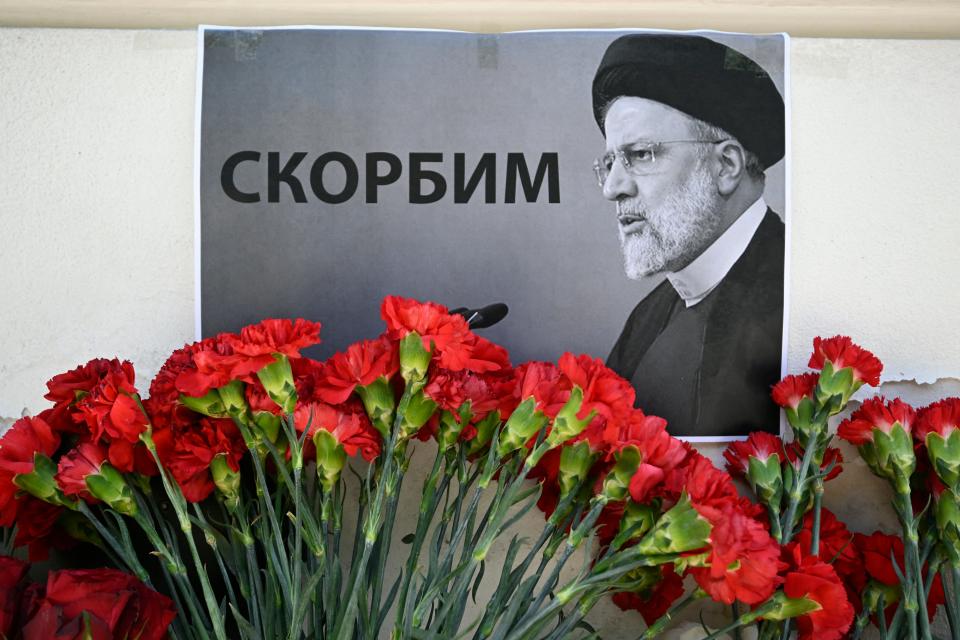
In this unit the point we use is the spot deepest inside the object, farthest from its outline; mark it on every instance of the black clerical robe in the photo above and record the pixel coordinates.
(708, 369)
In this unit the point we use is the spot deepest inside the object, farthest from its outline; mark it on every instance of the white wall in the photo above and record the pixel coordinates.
(96, 214)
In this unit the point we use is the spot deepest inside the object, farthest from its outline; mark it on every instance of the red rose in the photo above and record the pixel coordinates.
(18, 445)
(188, 451)
(349, 424)
(876, 413)
(759, 444)
(12, 573)
(117, 606)
(841, 352)
(791, 390)
(812, 579)
(360, 365)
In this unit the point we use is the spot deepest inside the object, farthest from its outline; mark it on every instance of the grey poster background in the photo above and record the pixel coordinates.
(557, 266)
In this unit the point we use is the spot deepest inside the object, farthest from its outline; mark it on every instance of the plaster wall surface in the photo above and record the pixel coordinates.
(97, 234)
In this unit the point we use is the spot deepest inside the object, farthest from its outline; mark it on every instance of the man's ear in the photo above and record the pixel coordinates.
(733, 166)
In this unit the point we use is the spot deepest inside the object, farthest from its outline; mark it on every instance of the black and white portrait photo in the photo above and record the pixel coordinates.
(623, 193)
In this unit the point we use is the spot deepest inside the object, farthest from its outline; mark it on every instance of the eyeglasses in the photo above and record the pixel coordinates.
(638, 158)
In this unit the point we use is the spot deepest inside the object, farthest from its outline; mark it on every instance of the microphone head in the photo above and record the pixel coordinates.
(489, 315)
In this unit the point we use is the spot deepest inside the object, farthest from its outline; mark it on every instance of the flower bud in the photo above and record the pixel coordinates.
(785, 607)
(41, 482)
(331, 458)
(566, 425)
(636, 521)
(414, 360)
(765, 479)
(679, 530)
(379, 403)
(277, 380)
(226, 480)
(235, 401)
(891, 456)
(575, 464)
(945, 456)
(524, 423)
(210, 404)
(110, 487)
(419, 410)
(948, 523)
(616, 485)
(485, 429)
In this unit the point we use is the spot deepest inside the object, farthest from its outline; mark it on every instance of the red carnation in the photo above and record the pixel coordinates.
(742, 559)
(812, 579)
(74, 467)
(841, 352)
(35, 526)
(759, 444)
(941, 417)
(12, 573)
(256, 345)
(877, 550)
(67, 388)
(604, 392)
(451, 390)
(875, 413)
(18, 445)
(837, 548)
(163, 406)
(111, 408)
(189, 450)
(360, 365)
(116, 605)
(791, 390)
(211, 367)
(349, 424)
(655, 601)
(542, 382)
(448, 335)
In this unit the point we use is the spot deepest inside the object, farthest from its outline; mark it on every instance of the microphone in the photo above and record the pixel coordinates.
(484, 317)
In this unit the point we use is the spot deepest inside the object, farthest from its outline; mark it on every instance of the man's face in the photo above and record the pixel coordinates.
(669, 210)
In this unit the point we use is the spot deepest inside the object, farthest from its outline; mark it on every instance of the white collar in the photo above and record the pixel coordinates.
(700, 277)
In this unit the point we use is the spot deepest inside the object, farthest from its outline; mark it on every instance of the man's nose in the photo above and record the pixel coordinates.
(619, 184)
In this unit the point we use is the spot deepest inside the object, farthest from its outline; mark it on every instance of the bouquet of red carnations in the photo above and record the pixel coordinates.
(225, 490)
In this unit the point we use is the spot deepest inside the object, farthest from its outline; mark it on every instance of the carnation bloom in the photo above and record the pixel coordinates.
(653, 601)
(941, 417)
(742, 560)
(109, 408)
(874, 413)
(12, 573)
(842, 353)
(837, 548)
(791, 390)
(112, 603)
(35, 525)
(877, 550)
(759, 445)
(446, 335)
(18, 446)
(189, 450)
(360, 365)
(604, 392)
(74, 467)
(349, 424)
(67, 388)
(812, 579)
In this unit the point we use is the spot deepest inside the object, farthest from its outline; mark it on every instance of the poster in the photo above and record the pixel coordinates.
(623, 193)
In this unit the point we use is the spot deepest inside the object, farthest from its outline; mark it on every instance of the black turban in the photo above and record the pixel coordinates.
(702, 78)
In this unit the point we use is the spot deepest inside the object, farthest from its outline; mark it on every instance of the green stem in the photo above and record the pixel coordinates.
(914, 598)
(661, 623)
(743, 620)
(796, 493)
(951, 584)
(815, 530)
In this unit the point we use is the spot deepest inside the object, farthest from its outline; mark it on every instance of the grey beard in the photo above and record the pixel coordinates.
(677, 230)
